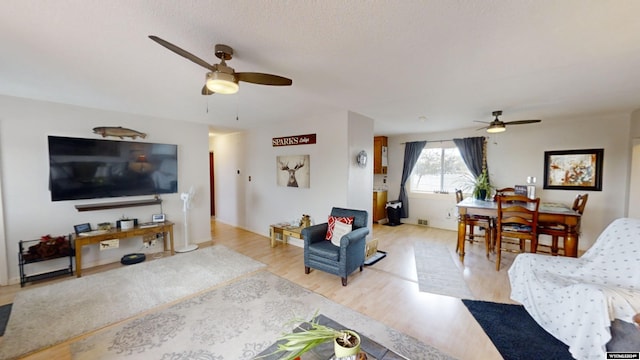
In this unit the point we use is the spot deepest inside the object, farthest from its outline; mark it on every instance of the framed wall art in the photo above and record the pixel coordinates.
(573, 169)
(293, 171)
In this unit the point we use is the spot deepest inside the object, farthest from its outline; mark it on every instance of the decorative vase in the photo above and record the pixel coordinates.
(482, 194)
(341, 351)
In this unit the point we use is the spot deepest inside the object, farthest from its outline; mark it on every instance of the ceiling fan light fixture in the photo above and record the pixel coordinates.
(496, 128)
(222, 83)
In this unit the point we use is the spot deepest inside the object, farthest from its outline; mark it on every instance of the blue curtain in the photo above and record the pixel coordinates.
(472, 153)
(412, 152)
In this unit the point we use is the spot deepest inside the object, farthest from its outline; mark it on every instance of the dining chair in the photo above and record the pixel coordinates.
(516, 222)
(499, 192)
(473, 221)
(504, 192)
(557, 230)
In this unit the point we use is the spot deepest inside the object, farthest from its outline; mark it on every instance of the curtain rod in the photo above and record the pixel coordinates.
(428, 141)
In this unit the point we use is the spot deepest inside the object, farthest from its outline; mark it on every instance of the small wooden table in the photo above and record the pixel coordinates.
(165, 228)
(547, 212)
(285, 230)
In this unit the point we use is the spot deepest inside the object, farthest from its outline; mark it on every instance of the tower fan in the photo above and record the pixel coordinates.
(186, 198)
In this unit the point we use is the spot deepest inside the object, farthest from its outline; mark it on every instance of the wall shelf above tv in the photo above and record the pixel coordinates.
(118, 204)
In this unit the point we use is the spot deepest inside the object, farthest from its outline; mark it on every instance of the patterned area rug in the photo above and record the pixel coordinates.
(235, 321)
(437, 273)
(48, 315)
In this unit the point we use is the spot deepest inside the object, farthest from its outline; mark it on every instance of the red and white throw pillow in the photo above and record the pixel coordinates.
(332, 223)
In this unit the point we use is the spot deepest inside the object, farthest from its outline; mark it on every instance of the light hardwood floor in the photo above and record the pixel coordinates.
(386, 291)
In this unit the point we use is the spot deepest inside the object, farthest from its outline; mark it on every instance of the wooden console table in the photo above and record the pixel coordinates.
(285, 231)
(165, 228)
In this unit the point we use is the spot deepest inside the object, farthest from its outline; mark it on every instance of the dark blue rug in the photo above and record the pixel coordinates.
(5, 311)
(514, 332)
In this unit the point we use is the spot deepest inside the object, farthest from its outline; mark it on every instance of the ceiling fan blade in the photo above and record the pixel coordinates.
(484, 122)
(181, 52)
(263, 79)
(206, 91)
(482, 128)
(521, 122)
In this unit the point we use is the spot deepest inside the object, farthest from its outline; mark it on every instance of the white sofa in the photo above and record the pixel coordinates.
(576, 299)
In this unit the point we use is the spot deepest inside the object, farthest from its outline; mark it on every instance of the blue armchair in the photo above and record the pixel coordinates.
(322, 255)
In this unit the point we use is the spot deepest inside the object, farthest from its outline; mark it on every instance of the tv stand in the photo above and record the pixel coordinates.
(165, 228)
(117, 204)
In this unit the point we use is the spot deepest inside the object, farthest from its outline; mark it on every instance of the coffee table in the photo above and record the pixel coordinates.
(374, 350)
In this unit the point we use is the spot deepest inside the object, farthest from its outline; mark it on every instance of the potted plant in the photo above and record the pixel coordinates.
(481, 186)
(310, 334)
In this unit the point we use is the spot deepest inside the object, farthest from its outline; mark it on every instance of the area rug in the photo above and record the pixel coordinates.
(51, 314)
(235, 321)
(437, 273)
(515, 333)
(5, 312)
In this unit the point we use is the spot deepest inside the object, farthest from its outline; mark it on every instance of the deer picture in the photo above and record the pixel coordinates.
(292, 172)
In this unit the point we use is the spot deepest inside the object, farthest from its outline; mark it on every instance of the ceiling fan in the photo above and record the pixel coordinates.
(497, 125)
(221, 78)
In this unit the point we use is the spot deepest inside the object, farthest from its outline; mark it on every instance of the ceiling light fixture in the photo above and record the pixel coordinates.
(496, 128)
(222, 83)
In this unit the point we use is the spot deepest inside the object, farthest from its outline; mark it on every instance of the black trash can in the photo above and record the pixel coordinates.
(394, 212)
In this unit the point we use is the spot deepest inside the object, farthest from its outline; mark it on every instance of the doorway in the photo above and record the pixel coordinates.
(633, 207)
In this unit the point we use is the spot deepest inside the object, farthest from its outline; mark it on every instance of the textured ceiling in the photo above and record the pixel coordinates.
(451, 62)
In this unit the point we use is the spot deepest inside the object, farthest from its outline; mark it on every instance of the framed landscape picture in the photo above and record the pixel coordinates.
(573, 169)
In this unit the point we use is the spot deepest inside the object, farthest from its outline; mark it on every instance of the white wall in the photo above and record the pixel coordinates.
(28, 211)
(519, 152)
(254, 205)
(360, 138)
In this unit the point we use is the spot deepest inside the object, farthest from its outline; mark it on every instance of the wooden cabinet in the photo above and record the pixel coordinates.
(379, 203)
(380, 155)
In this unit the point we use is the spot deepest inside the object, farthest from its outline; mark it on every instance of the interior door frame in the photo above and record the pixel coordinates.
(212, 183)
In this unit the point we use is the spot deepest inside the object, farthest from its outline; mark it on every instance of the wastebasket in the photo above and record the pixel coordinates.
(393, 212)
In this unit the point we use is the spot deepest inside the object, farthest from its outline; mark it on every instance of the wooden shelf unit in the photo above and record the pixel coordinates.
(118, 204)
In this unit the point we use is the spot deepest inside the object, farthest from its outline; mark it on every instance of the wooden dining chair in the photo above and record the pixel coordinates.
(557, 230)
(516, 222)
(504, 192)
(499, 192)
(473, 221)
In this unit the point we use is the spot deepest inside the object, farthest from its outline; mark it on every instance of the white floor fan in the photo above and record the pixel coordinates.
(186, 198)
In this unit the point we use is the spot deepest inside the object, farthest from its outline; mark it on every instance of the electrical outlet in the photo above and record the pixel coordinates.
(153, 243)
(146, 244)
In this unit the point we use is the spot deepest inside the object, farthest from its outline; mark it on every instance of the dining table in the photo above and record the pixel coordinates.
(548, 212)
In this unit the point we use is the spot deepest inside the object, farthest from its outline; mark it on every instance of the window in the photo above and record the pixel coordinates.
(439, 170)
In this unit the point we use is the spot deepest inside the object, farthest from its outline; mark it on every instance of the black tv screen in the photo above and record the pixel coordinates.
(94, 168)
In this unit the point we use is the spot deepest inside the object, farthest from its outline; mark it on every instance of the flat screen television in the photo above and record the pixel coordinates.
(95, 168)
